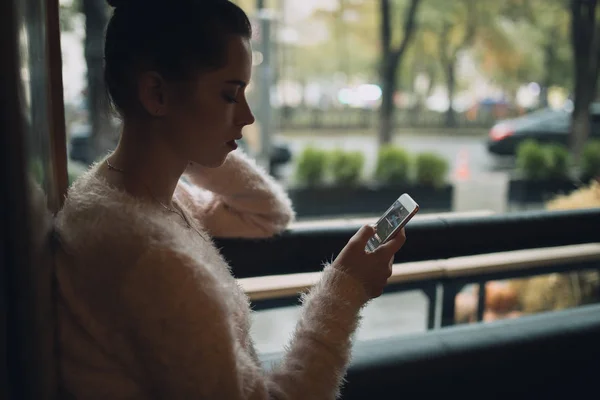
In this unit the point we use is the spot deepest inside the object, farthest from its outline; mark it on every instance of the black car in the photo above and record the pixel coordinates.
(80, 144)
(280, 154)
(546, 126)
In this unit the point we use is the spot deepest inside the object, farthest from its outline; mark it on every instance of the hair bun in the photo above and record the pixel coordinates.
(138, 4)
(117, 3)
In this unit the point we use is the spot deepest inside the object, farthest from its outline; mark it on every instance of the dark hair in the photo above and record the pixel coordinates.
(175, 38)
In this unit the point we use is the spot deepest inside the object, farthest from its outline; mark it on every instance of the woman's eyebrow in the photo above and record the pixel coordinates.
(238, 82)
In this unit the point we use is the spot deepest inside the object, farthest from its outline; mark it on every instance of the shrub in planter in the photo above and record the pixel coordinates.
(590, 160)
(559, 291)
(431, 169)
(311, 166)
(393, 165)
(559, 159)
(533, 160)
(346, 166)
(587, 196)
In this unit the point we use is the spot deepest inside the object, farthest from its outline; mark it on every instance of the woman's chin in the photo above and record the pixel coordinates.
(213, 162)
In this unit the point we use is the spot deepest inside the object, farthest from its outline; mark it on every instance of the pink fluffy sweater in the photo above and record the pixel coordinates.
(149, 309)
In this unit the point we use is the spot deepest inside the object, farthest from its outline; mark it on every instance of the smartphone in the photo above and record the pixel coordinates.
(394, 219)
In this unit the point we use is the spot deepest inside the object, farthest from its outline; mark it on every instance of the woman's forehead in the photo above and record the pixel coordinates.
(238, 64)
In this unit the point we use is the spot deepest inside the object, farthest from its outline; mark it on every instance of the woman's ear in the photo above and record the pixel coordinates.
(152, 93)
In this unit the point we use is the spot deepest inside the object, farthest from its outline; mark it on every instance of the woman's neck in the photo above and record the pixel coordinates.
(149, 167)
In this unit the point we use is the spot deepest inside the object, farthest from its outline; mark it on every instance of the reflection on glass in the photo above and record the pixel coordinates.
(33, 293)
(458, 122)
(514, 298)
(32, 46)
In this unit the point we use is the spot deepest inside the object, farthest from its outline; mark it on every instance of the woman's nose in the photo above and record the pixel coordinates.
(245, 116)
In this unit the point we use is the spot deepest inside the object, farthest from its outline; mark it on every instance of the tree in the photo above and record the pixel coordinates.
(423, 58)
(249, 6)
(67, 11)
(509, 53)
(542, 38)
(391, 59)
(96, 19)
(552, 20)
(494, 34)
(347, 46)
(585, 36)
(457, 27)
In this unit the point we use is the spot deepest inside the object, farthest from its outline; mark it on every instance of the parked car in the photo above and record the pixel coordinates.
(546, 126)
(280, 154)
(80, 148)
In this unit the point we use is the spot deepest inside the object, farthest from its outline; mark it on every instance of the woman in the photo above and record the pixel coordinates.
(148, 308)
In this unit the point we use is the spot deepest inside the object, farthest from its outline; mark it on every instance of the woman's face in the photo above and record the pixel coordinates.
(209, 118)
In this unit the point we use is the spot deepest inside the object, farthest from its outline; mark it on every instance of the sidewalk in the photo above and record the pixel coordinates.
(390, 315)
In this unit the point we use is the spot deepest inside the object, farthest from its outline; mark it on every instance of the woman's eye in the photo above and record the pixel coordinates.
(230, 99)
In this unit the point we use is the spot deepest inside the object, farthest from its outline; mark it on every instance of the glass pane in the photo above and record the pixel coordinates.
(458, 117)
(32, 274)
(391, 315)
(514, 298)
(481, 108)
(32, 45)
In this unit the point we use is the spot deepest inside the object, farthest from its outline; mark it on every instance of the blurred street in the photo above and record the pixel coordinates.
(387, 316)
(480, 162)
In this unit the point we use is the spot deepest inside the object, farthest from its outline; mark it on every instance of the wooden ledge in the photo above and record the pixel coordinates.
(521, 259)
(290, 285)
(337, 222)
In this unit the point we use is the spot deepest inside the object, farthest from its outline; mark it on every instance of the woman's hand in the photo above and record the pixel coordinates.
(371, 269)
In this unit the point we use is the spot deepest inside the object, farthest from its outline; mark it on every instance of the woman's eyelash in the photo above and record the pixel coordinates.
(230, 99)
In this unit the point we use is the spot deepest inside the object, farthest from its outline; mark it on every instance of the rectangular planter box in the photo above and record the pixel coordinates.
(523, 191)
(332, 201)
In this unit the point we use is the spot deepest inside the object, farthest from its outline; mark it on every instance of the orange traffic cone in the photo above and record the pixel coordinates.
(462, 172)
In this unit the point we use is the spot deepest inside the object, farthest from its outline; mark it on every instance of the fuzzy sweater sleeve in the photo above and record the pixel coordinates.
(181, 331)
(237, 199)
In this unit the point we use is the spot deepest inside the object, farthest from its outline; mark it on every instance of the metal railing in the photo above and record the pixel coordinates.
(304, 248)
(443, 254)
(446, 276)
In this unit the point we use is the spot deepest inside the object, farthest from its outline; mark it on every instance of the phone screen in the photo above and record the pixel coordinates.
(386, 226)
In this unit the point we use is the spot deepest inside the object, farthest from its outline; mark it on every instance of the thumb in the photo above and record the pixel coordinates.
(364, 234)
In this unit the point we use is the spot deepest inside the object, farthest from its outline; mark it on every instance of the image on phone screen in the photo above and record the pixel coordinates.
(388, 224)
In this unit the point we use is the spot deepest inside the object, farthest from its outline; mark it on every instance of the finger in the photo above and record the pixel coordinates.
(363, 235)
(390, 269)
(377, 293)
(387, 268)
(394, 244)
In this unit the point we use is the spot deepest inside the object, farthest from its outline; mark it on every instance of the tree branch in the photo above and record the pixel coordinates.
(444, 43)
(471, 30)
(409, 29)
(386, 26)
(595, 56)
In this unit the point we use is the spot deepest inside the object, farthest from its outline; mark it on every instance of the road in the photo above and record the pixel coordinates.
(398, 313)
(450, 147)
(390, 315)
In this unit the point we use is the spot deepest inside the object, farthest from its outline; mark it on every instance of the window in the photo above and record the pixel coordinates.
(472, 115)
(469, 90)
